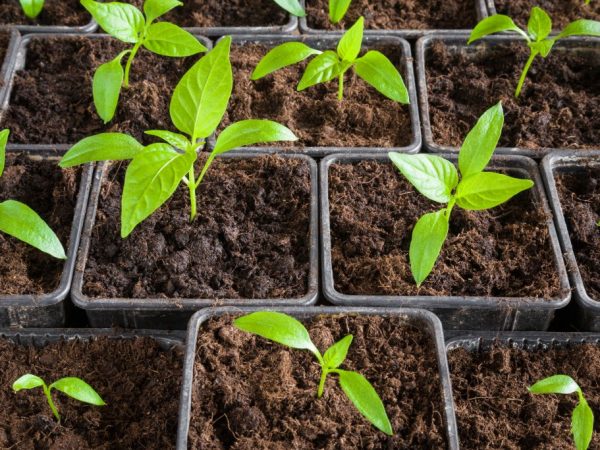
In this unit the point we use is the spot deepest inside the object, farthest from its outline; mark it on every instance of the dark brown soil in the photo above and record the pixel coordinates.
(397, 14)
(51, 102)
(4, 41)
(562, 12)
(580, 200)
(363, 118)
(502, 252)
(249, 240)
(559, 106)
(139, 382)
(55, 12)
(249, 393)
(52, 193)
(494, 409)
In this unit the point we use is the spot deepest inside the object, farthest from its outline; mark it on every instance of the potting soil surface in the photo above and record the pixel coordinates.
(562, 12)
(54, 13)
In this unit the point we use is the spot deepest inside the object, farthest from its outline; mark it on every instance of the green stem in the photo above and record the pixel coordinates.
(341, 87)
(524, 73)
(192, 190)
(207, 164)
(134, 51)
(322, 382)
(50, 402)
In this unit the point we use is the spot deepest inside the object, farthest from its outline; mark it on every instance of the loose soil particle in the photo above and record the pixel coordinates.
(249, 240)
(397, 14)
(249, 393)
(502, 252)
(363, 118)
(562, 12)
(580, 200)
(494, 409)
(55, 12)
(559, 106)
(139, 382)
(4, 41)
(52, 193)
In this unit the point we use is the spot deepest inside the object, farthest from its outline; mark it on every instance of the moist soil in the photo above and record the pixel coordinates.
(52, 103)
(52, 193)
(494, 409)
(559, 106)
(4, 41)
(502, 252)
(397, 14)
(138, 380)
(251, 238)
(364, 118)
(250, 393)
(562, 12)
(55, 12)
(580, 201)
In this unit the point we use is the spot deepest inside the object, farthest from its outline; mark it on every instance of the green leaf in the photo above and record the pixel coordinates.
(321, 69)
(379, 72)
(292, 6)
(101, 147)
(349, 46)
(581, 27)
(491, 25)
(3, 141)
(201, 96)
(556, 384)
(106, 87)
(363, 395)
(150, 179)
(582, 425)
(431, 175)
(486, 190)
(156, 8)
(23, 223)
(78, 389)
(336, 354)
(175, 139)
(542, 47)
(282, 56)
(32, 8)
(249, 132)
(428, 237)
(540, 24)
(164, 38)
(27, 381)
(121, 20)
(338, 9)
(481, 141)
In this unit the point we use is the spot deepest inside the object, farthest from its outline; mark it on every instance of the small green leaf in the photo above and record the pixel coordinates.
(121, 20)
(338, 9)
(431, 175)
(282, 56)
(556, 384)
(106, 87)
(250, 132)
(582, 425)
(364, 397)
(78, 389)
(486, 190)
(292, 6)
(379, 72)
(101, 147)
(321, 69)
(540, 24)
(491, 25)
(156, 8)
(32, 8)
(27, 381)
(349, 46)
(336, 354)
(581, 27)
(23, 223)
(177, 140)
(164, 38)
(428, 237)
(3, 141)
(542, 47)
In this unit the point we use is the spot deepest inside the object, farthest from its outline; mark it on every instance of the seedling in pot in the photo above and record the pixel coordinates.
(582, 419)
(32, 8)
(286, 330)
(537, 37)
(373, 67)
(337, 8)
(72, 386)
(197, 107)
(20, 221)
(127, 23)
(438, 180)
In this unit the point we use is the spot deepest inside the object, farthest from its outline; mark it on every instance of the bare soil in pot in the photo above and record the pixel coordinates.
(54, 13)
(4, 40)
(249, 393)
(138, 380)
(562, 12)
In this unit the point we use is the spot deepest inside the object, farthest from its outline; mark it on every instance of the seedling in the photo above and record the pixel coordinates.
(288, 331)
(127, 23)
(537, 37)
(582, 420)
(437, 179)
(20, 221)
(338, 9)
(373, 67)
(32, 8)
(197, 107)
(72, 386)
(292, 6)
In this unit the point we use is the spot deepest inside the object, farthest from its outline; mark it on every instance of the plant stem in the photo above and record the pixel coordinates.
(50, 402)
(341, 87)
(192, 190)
(322, 382)
(134, 51)
(524, 73)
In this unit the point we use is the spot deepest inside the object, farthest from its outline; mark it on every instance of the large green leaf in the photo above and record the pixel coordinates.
(428, 237)
(338, 9)
(493, 24)
(292, 6)
(3, 141)
(349, 46)
(27, 381)
(556, 384)
(106, 87)
(336, 354)
(156, 8)
(102, 147)
(250, 132)
(282, 56)
(540, 24)
(582, 425)
(78, 389)
(121, 20)
(581, 27)
(379, 72)
(164, 38)
(321, 69)
(32, 8)
(486, 190)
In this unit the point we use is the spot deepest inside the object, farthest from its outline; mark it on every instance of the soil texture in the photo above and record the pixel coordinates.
(250, 393)
(502, 252)
(580, 201)
(494, 409)
(559, 106)
(138, 380)
(52, 193)
(562, 12)
(364, 117)
(249, 240)
(4, 41)
(54, 13)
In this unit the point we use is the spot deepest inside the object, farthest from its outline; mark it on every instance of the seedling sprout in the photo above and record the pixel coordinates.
(32, 8)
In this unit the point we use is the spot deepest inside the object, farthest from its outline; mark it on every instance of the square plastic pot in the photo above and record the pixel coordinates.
(48, 310)
(9, 59)
(424, 320)
(456, 312)
(215, 32)
(174, 313)
(89, 27)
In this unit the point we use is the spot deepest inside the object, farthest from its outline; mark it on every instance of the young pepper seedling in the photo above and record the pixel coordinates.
(437, 179)
(288, 331)
(338, 9)
(32, 8)
(537, 35)
(373, 67)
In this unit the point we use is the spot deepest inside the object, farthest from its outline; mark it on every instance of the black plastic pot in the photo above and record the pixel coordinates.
(9, 59)
(48, 310)
(458, 43)
(164, 313)
(455, 312)
(588, 317)
(424, 319)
